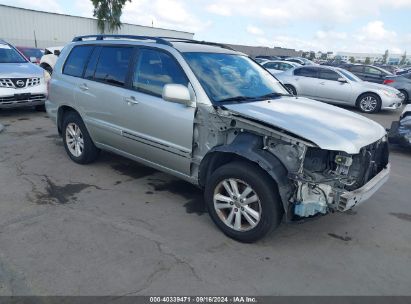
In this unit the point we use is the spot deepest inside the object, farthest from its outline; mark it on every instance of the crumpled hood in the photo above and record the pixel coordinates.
(329, 127)
(20, 70)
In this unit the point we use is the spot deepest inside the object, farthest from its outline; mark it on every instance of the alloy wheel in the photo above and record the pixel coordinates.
(237, 204)
(368, 103)
(74, 139)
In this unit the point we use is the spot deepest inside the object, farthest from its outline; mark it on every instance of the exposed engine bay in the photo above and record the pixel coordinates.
(314, 180)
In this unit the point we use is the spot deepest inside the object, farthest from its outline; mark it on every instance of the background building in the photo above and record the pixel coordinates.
(394, 59)
(254, 51)
(24, 27)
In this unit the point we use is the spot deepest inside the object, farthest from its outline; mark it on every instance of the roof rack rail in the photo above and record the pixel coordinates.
(175, 39)
(133, 37)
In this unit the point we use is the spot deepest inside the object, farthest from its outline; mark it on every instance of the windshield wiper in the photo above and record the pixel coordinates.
(236, 99)
(272, 95)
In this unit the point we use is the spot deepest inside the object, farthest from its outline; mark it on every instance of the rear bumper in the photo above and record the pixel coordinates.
(358, 196)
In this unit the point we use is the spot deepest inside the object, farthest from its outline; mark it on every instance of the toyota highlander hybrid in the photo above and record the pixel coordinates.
(22, 83)
(215, 118)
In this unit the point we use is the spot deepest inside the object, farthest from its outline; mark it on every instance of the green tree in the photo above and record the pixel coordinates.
(404, 58)
(108, 12)
(367, 60)
(385, 57)
(352, 59)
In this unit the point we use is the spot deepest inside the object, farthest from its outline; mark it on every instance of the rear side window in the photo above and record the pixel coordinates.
(328, 75)
(355, 69)
(271, 65)
(113, 64)
(77, 60)
(154, 70)
(306, 72)
(370, 70)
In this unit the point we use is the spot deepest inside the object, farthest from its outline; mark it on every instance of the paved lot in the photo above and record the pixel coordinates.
(117, 228)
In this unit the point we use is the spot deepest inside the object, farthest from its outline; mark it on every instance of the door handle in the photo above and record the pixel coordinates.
(131, 100)
(322, 83)
(83, 87)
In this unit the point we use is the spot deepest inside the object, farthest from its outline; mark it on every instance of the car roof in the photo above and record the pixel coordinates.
(180, 44)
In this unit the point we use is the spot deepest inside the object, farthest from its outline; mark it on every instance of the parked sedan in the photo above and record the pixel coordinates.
(32, 54)
(368, 72)
(278, 66)
(401, 83)
(338, 86)
(300, 60)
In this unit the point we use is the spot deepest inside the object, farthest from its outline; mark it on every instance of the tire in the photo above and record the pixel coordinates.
(82, 149)
(369, 103)
(291, 89)
(407, 97)
(40, 108)
(48, 68)
(268, 204)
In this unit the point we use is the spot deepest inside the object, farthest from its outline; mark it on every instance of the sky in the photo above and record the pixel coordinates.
(367, 26)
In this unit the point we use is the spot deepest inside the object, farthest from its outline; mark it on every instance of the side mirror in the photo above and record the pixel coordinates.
(342, 80)
(57, 52)
(33, 59)
(177, 93)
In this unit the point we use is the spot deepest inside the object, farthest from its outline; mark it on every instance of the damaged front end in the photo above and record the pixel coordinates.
(400, 132)
(329, 181)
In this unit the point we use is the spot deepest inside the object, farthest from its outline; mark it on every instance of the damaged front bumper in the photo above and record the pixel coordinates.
(354, 198)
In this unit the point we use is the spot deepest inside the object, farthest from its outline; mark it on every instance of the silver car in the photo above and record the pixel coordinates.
(22, 83)
(339, 86)
(217, 119)
(279, 66)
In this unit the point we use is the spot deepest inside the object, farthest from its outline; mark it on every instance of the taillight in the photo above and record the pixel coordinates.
(388, 81)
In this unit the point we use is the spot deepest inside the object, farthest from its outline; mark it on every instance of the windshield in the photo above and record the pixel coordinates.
(233, 78)
(349, 75)
(32, 53)
(10, 55)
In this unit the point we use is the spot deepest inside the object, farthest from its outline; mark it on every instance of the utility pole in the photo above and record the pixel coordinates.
(35, 39)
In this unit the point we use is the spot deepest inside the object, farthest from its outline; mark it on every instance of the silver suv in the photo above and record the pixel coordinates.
(215, 118)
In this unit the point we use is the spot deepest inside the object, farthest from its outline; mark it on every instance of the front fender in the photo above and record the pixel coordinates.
(250, 146)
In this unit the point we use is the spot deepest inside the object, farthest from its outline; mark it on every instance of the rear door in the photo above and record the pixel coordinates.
(156, 130)
(373, 74)
(306, 81)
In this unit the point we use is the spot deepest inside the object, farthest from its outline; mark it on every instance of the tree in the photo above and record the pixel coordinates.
(404, 58)
(352, 59)
(108, 12)
(312, 55)
(385, 57)
(367, 60)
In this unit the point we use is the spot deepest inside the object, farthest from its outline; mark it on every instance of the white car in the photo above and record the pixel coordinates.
(279, 66)
(22, 83)
(49, 59)
(339, 86)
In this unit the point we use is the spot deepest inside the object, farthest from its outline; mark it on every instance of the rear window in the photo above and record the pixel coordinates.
(77, 60)
(113, 65)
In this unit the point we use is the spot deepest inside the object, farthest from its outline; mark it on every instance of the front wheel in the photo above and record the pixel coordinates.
(291, 89)
(369, 103)
(406, 96)
(243, 201)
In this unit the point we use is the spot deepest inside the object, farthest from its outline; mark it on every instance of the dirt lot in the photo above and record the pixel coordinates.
(117, 228)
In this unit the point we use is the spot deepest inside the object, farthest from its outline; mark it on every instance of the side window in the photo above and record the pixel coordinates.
(113, 64)
(373, 71)
(154, 70)
(74, 65)
(356, 69)
(271, 65)
(328, 75)
(91, 66)
(306, 72)
(285, 66)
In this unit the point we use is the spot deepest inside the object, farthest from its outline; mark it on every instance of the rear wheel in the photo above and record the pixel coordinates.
(369, 103)
(243, 201)
(77, 141)
(291, 89)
